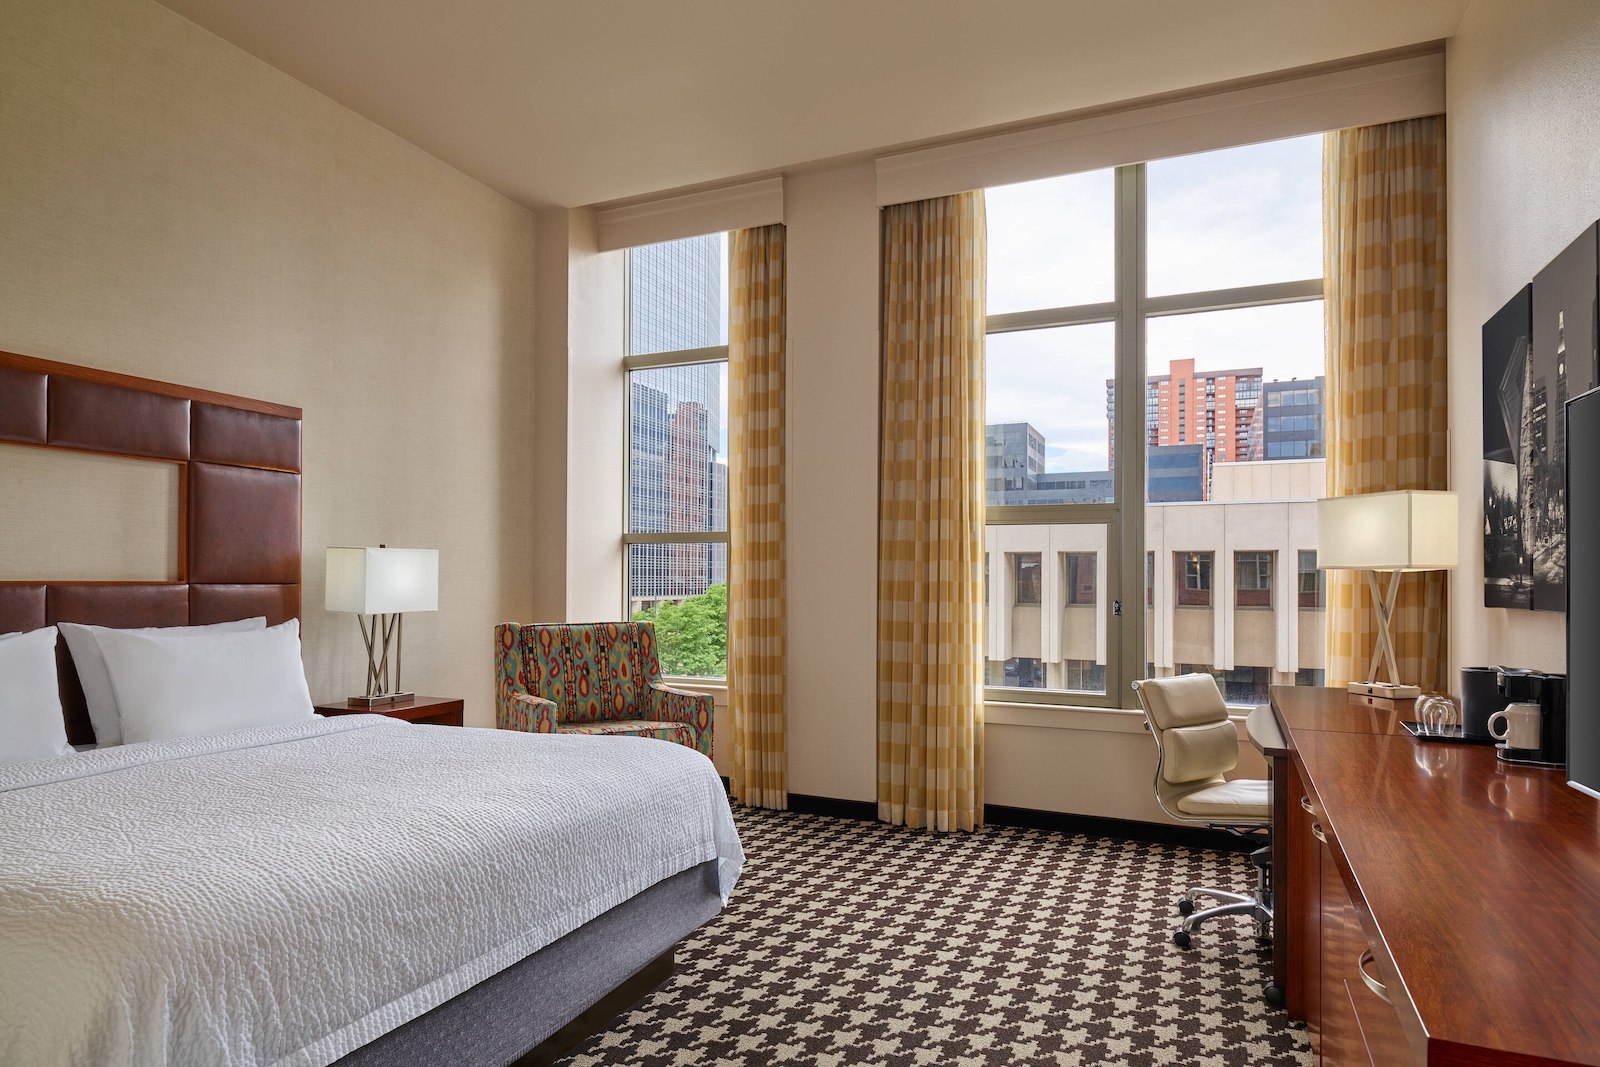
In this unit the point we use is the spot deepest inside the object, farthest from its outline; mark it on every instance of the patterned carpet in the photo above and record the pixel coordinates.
(853, 943)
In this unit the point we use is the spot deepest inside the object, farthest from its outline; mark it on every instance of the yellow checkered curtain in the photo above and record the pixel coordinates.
(930, 516)
(1384, 202)
(757, 650)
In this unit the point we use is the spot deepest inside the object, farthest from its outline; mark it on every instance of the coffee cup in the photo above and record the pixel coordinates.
(1519, 725)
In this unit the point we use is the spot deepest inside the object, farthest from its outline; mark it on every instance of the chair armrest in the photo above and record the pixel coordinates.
(530, 714)
(678, 705)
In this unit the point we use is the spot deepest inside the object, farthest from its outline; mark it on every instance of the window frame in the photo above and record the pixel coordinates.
(1036, 585)
(1075, 562)
(1194, 579)
(1259, 560)
(687, 357)
(1130, 308)
(1308, 599)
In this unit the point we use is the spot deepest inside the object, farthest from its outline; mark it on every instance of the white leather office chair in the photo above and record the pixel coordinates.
(1196, 744)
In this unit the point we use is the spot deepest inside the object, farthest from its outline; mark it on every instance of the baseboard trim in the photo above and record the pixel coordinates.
(1061, 822)
(1152, 833)
(805, 804)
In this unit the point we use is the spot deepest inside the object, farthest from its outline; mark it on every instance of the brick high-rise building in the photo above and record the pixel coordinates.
(1219, 409)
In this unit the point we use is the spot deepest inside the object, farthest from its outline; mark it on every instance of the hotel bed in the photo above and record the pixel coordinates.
(354, 890)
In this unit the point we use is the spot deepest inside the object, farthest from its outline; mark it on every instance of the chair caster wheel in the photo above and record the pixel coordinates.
(1181, 938)
(1185, 906)
(1273, 995)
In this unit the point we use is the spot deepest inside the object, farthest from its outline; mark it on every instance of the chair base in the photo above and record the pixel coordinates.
(1257, 905)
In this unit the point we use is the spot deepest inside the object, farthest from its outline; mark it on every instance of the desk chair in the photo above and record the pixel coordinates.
(1196, 744)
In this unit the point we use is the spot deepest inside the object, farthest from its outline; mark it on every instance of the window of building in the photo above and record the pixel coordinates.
(1310, 582)
(1086, 676)
(1029, 586)
(1245, 685)
(676, 535)
(1194, 579)
(1228, 246)
(1081, 578)
(1019, 673)
(1252, 579)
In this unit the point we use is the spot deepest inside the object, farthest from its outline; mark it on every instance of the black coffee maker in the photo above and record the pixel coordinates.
(1486, 690)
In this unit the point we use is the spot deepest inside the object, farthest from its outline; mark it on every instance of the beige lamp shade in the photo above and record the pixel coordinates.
(382, 581)
(1411, 530)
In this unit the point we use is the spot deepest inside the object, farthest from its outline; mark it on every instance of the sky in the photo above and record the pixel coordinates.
(1240, 216)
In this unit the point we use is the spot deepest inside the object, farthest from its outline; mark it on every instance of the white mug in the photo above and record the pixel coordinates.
(1521, 725)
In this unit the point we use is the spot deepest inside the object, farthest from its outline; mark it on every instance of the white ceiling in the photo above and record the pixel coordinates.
(568, 102)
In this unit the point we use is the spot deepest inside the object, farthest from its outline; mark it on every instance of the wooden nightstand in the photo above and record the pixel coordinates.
(434, 711)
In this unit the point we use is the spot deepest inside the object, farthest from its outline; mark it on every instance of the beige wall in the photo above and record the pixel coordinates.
(833, 482)
(1523, 83)
(173, 208)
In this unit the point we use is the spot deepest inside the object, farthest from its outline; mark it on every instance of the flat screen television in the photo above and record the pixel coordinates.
(1583, 592)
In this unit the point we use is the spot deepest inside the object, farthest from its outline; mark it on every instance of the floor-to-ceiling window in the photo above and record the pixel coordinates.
(1155, 392)
(676, 537)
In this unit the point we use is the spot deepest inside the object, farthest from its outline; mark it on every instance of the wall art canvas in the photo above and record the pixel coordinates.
(1563, 367)
(1507, 366)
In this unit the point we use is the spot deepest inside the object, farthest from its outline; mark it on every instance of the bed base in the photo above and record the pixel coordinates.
(541, 1007)
(598, 1018)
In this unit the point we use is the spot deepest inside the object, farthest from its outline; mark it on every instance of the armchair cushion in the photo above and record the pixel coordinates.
(677, 732)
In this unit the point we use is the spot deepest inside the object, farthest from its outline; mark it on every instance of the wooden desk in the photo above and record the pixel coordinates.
(1474, 885)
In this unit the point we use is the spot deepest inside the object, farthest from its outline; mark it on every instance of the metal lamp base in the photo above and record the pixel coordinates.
(382, 638)
(380, 700)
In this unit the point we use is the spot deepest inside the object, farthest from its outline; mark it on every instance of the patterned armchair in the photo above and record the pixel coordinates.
(592, 678)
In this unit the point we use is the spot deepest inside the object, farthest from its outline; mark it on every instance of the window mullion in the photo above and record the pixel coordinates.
(1128, 655)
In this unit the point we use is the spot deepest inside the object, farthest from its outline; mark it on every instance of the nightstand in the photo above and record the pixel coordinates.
(434, 711)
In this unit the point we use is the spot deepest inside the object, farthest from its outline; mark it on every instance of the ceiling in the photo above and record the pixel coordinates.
(569, 102)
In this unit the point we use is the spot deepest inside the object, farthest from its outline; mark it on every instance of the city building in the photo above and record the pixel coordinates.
(1015, 452)
(1293, 426)
(677, 477)
(1232, 589)
(1216, 409)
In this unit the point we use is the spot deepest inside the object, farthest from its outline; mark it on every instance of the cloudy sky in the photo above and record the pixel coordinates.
(1241, 216)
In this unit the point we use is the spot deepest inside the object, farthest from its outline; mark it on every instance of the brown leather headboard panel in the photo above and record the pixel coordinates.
(240, 554)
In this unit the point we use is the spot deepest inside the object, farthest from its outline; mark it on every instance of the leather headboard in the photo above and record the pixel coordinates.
(239, 533)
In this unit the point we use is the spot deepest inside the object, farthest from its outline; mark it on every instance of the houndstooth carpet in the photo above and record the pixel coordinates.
(851, 942)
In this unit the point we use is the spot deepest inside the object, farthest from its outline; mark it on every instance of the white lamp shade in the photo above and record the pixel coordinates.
(1412, 530)
(382, 581)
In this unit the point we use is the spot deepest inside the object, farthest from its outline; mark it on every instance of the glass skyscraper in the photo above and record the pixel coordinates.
(677, 471)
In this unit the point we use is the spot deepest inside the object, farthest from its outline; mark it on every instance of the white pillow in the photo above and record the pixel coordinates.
(84, 643)
(206, 683)
(31, 726)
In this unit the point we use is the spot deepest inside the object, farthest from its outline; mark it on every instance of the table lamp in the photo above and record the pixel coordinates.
(1411, 530)
(382, 583)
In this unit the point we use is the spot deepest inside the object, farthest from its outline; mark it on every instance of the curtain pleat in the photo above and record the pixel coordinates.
(757, 571)
(1388, 418)
(931, 515)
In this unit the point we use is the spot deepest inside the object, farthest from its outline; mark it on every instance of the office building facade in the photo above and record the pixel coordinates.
(1292, 426)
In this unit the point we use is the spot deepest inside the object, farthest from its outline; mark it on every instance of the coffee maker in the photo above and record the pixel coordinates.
(1486, 690)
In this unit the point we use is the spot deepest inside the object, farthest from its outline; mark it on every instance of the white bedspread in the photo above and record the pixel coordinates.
(284, 895)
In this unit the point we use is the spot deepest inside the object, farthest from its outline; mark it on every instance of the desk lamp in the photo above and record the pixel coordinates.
(382, 584)
(1411, 530)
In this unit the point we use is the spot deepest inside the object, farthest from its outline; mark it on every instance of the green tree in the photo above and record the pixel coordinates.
(692, 635)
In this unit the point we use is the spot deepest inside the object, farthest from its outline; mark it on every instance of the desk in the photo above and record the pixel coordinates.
(1474, 886)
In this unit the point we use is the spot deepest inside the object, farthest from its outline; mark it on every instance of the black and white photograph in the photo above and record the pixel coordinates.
(1563, 367)
(1507, 367)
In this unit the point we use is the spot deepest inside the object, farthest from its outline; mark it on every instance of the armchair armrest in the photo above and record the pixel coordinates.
(694, 710)
(667, 704)
(528, 713)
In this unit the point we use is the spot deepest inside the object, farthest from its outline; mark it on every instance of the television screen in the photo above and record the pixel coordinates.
(1583, 593)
